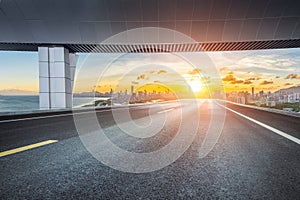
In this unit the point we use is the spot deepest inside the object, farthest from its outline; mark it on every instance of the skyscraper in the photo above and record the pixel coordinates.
(132, 89)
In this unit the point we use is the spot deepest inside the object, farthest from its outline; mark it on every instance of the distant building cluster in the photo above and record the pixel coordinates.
(140, 96)
(124, 97)
(268, 99)
(94, 94)
(145, 96)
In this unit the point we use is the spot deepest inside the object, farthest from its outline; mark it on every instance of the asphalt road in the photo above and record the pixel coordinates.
(247, 162)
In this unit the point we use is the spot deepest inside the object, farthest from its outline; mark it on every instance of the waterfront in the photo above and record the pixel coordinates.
(31, 103)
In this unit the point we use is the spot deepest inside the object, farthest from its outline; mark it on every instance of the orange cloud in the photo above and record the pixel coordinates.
(195, 71)
(266, 82)
(162, 71)
(142, 76)
(292, 76)
(205, 79)
(229, 78)
(237, 82)
(223, 69)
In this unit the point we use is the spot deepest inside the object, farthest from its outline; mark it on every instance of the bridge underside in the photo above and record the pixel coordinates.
(218, 25)
(155, 47)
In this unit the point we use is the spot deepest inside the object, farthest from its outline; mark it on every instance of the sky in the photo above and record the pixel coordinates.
(200, 72)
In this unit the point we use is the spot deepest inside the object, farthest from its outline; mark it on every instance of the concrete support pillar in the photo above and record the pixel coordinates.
(55, 80)
(73, 61)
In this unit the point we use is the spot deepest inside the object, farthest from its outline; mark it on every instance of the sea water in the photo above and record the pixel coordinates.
(31, 103)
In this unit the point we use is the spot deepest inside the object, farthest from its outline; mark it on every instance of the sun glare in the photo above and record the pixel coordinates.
(195, 85)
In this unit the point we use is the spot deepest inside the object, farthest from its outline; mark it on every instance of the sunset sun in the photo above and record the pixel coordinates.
(195, 85)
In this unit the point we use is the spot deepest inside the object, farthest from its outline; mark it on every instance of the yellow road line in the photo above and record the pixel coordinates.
(25, 148)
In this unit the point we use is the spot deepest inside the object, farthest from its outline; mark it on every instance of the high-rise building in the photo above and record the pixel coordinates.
(132, 89)
(261, 93)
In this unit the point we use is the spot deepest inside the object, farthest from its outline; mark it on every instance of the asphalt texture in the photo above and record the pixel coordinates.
(247, 162)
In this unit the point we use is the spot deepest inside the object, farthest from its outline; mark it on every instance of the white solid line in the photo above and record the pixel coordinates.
(283, 134)
(165, 110)
(25, 148)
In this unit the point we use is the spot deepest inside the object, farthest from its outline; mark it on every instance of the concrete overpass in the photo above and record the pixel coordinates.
(255, 153)
(58, 29)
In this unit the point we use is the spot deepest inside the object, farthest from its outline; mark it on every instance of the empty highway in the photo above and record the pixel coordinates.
(248, 160)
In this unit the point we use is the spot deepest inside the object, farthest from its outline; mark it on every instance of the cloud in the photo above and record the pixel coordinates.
(247, 82)
(195, 71)
(288, 84)
(152, 72)
(223, 69)
(257, 78)
(231, 72)
(205, 79)
(134, 82)
(142, 76)
(292, 76)
(266, 82)
(251, 79)
(277, 76)
(229, 78)
(162, 71)
(272, 62)
(237, 82)
(157, 81)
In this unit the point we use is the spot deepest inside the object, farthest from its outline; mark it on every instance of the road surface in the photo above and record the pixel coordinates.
(248, 161)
